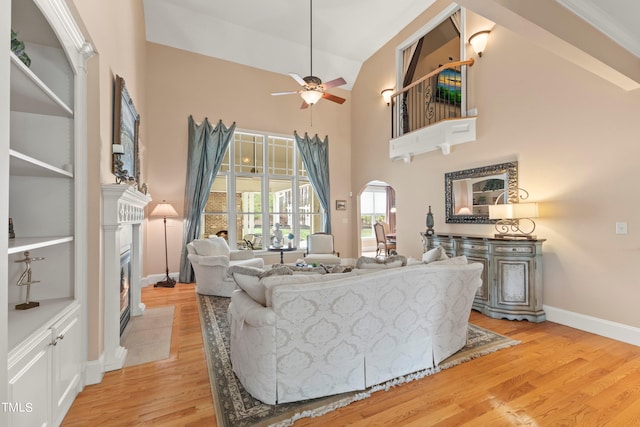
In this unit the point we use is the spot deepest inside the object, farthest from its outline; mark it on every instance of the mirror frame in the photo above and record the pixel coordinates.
(126, 130)
(510, 168)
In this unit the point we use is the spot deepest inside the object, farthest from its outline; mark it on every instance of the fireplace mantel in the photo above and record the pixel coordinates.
(122, 207)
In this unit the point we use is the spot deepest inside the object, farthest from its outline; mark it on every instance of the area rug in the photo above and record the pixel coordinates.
(236, 408)
(147, 338)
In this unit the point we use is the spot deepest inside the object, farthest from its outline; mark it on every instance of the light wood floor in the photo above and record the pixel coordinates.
(558, 376)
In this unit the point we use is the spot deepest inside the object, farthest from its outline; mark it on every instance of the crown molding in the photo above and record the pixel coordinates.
(603, 21)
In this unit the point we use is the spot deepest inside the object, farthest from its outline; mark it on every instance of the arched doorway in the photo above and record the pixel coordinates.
(376, 203)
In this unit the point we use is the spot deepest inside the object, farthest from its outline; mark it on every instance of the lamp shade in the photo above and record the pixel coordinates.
(311, 96)
(386, 95)
(479, 41)
(164, 209)
(513, 211)
(464, 211)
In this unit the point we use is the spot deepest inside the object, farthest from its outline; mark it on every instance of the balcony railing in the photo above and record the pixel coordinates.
(436, 97)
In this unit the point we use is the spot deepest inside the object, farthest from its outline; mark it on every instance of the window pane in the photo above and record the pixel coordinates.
(280, 156)
(366, 202)
(248, 154)
(225, 162)
(215, 225)
(310, 213)
(373, 207)
(216, 218)
(248, 205)
(302, 171)
(281, 199)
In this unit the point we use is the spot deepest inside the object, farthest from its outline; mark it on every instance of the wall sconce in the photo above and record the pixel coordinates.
(479, 41)
(512, 216)
(386, 95)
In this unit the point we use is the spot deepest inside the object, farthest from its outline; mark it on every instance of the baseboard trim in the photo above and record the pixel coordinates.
(606, 328)
(94, 371)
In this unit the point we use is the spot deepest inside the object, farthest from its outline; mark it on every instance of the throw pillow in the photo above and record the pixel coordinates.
(248, 279)
(391, 262)
(436, 254)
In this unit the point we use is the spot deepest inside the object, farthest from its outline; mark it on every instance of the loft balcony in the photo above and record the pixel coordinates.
(431, 114)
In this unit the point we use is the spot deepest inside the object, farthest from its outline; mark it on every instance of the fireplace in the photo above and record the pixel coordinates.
(122, 219)
(125, 295)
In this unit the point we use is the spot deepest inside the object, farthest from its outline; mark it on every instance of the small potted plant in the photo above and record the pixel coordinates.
(17, 47)
(290, 236)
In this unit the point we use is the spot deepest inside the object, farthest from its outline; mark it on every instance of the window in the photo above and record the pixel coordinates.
(262, 181)
(373, 208)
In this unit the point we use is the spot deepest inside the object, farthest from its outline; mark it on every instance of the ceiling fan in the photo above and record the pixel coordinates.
(312, 87)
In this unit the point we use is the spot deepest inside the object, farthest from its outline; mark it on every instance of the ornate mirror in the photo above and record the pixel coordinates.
(468, 193)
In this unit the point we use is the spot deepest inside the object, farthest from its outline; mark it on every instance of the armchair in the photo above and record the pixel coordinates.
(320, 249)
(210, 259)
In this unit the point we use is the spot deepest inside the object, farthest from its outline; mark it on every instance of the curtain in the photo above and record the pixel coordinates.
(207, 147)
(315, 156)
(391, 204)
(410, 71)
(455, 20)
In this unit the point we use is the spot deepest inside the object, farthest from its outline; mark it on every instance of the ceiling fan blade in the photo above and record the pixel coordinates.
(299, 79)
(304, 105)
(333, 98)
(335, 82)
(291, 92)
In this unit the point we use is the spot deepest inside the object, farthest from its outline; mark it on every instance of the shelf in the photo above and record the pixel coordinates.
(23, 323)
(22, 244)
(23, 165)
(30, 95)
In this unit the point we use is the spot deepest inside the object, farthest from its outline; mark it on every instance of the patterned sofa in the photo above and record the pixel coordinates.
(318, 335)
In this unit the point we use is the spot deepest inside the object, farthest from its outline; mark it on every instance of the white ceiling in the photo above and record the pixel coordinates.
(274, 35)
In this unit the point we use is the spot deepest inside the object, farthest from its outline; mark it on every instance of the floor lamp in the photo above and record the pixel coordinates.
(165, 210)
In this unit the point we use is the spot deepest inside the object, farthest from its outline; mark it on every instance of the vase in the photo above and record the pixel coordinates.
(429, 222)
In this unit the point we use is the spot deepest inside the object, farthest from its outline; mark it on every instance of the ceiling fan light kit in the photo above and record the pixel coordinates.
(313, 90)
(311, 96)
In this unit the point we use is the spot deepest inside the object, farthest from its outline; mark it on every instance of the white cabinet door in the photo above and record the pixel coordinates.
(67, 361)
(30, 383)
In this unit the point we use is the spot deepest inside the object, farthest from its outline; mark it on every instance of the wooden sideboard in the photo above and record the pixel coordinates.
(512, 276)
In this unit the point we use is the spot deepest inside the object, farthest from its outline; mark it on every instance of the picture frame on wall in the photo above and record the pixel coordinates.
(341, 205)
(126, 125)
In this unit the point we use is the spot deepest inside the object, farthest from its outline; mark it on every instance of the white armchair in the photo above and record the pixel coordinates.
(210, 259)
(320, 249)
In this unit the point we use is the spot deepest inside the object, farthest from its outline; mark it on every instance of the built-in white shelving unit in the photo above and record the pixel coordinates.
(44, 150)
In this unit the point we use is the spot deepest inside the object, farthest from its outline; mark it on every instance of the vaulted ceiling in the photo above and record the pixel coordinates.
(274, 35)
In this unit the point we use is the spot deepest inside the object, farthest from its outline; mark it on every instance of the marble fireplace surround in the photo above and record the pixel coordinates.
(122, 217)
